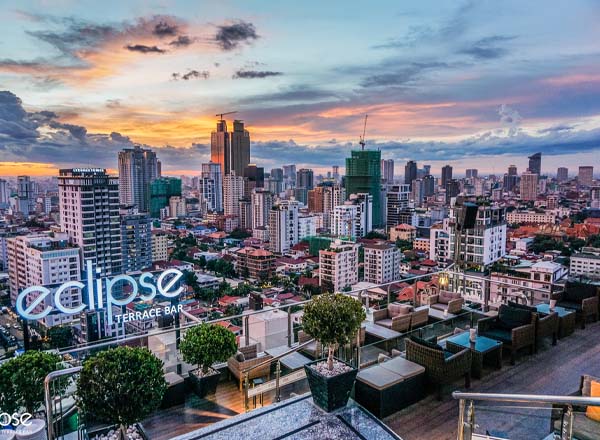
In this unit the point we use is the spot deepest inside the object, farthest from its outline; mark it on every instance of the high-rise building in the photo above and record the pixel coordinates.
(44, 260)
(397, 200)
(381, 263)
(230, 149)
(89, 214)
(177, 206)
(418, 192)
(136, 239)
(304, 183)
(471, 172)
(211, 188)
(562, 174)
(338, 266)
(535, 163)
(138, 167)
(363, 175)
(387, 170)
(446, 175)
(289, 176)
(511, 179)
(335, 172)
(25, 195)
(262, 202)
(529, 186)
(4, 194)
(283, 226)
(452, 189)
(160, 245)
(245, 217)
(428, 185)
(353, 219)
(276, 180)
(512, 170)
(233, 191)
(586, 175)
(161, 190)
(410, 172)
(254, 177)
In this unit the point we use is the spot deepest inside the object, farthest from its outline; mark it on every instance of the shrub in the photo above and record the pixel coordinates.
(333, 319)
(121, 386)
(206, 344)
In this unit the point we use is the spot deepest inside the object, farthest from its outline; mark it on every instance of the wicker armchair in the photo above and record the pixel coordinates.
(239, 368)
(396, 317)
(514, 327)
(582, 298)
(419, 317)
(546, 325)
(446, 300)
(441, 368)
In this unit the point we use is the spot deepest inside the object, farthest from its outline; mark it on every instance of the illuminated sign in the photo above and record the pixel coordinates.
(100, 293)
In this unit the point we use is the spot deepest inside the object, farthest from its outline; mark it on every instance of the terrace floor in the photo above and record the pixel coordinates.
(553, 370)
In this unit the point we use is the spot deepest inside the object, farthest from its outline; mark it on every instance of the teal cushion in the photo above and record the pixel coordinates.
(426, 343)
(499, 334)
(513, 317)
(522, 306)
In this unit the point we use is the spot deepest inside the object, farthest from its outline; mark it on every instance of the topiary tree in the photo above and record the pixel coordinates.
(22, 381)
(333, 319)
(121, 386)
(206, 344)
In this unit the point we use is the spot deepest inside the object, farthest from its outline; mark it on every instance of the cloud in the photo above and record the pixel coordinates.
(144, 49)
(191, 74)
(164, 29)
(251, 74)
(488, 48)
(230, 36)
(557, 128)
(181, 41)
(403, 75)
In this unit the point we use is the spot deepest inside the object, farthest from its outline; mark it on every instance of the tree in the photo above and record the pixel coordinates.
(333, 319)
(239, 234)
(60, 336)
(372, 235)
(206, 344)
(404, 245)
(121, 386)
(22, 381)
(593, 241)
(189, 278)
(202, 261)
(208, 295)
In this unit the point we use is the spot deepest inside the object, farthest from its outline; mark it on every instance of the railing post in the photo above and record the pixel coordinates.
(277, 377)
(247, 330)
(289, 326)
(388, 294)
(566, 429)
(48, 399)
(246, 387)
(461, 419)
(487, 286)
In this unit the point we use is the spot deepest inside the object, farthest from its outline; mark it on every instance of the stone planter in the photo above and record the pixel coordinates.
(113, 432)
(330, 393)
(203, 386)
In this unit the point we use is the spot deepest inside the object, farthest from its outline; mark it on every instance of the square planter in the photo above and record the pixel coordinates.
(203, 386)
(98, 432)
(330, 393)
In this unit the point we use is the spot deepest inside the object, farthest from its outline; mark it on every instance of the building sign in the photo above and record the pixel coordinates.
(99, 294)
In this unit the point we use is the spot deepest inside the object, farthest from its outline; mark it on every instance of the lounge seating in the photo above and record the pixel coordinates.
(441, 367)
(583, 427)
(239, 364)
(445, 300)
(396, 317)
(514, 327)
(582, 298)
(546, 325)
(313, 349)
(419, 317)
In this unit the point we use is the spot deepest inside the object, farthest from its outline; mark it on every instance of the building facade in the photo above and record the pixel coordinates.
(138, 168)
(381, 263)
(338, 266)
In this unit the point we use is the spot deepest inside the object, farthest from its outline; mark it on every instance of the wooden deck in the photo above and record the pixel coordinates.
(198, 413)
(554, 370)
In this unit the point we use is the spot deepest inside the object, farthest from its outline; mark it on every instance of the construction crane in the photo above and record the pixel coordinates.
(223, 114)
(362, 138)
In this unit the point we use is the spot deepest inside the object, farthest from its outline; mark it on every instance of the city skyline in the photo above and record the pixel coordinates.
(81, 82)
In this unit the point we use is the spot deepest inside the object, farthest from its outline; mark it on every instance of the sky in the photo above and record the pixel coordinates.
(476, 84)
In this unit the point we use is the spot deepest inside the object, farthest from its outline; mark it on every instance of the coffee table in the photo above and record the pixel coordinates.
(566, 318)
(292, 361)
(438, 315)
(482, 349)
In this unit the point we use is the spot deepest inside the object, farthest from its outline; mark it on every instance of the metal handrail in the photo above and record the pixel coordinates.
(279, 356)
(48, 397)
(528, 398)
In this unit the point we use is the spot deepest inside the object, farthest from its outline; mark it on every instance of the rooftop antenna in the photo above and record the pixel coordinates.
(362, 138)
(220, 115)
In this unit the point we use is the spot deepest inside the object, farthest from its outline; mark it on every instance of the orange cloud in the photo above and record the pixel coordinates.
(572, 79)
(27, 168)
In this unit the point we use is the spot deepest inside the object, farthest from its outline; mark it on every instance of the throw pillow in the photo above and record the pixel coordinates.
(239, 356)
(382, 358)
(512, 317)
(593, 412)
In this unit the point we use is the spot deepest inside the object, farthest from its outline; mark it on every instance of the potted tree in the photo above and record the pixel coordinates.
(22, 381)
(121, 386)
(204, 345)
(333, 320)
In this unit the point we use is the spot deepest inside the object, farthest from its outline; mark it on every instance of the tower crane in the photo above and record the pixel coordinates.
(223, 114)
(362, 138)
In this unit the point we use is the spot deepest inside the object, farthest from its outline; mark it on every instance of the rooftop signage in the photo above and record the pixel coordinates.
(99, 293)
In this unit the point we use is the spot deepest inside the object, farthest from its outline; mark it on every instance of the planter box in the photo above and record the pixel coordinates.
(202, 386)
(330, 393)
(89, 435)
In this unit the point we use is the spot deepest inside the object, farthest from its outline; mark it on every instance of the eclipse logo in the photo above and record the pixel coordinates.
(14, 419)
(99, 293)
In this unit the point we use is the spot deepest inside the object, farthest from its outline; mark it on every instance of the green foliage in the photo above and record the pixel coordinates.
(121, 385)
(208, 295)
(60, 336)
(404, 245)
(333, 319)
(239, 234)
(373, 235)
(207, 344)
(222, 267)
(593, 241)
(22, 380)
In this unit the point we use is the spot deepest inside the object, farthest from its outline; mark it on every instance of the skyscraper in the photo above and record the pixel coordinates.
(471, 172)
(428, 185)
(283, 226)
(535, 163)
(25, 195)
(387, 170)
(233, 191)
(363, 175)
(136, 239)
(397, 199)
(230, 149)
(211, 187)
(529, 186)
(410, 172)
(4, 193)
(161, 190)
(138, 167)
(254, 177)
(586, 175)
(562, 174)
(89, 214)
(452, 189)
(304, 183)
(262, 202)
(512, 170)
(446, 175)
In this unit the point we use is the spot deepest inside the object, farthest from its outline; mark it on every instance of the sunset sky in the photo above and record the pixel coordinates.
(475, 84)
